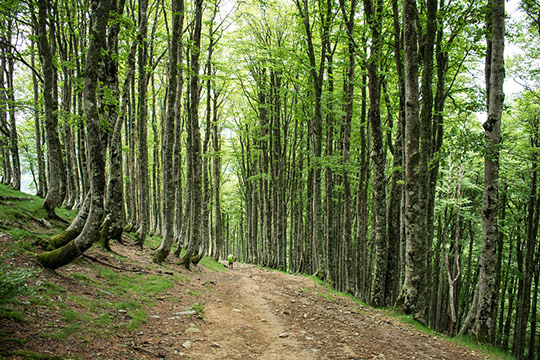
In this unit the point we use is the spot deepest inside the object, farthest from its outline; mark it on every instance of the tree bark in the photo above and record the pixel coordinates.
(195, 169)
(373, 14)
(168, 205)
(412, 299)
(89, 233)
(142, 126)
(479, 321)
(56, 167)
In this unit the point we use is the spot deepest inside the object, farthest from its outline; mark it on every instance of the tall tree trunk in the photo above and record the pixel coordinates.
(524, 298)
(316, 74)
(426, 148)
(168, 138)
(479, 320)
(88, 236)
(373, 14)
(42, 183)
(114, 203)
(14, 139)
(396, 189)
(54, 148)
(142, 126)
(412, 298)
(216, 170)
(195, 168)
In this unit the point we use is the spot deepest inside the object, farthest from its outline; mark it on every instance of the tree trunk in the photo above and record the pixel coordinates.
(54, 148)
(168, 205)
(14, 139)
(194, 171)
(142, 126)
(524, 299)
(373, 13)
(89, 233)
(42, 183)
(479, 321)
(396, 189)
(114, 203)
(413, 296)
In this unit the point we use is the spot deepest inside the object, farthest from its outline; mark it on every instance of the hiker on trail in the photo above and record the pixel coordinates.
(231, 259)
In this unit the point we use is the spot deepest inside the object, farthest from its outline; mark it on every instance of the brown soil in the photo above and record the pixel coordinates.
(249, 313)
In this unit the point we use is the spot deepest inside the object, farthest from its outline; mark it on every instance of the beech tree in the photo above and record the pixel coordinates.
(331, 138)
(479, 320)
(88, 235)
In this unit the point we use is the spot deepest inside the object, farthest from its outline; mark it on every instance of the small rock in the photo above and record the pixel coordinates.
(216, 345)
(187, 344)
(193, 330)
(186, 312)
(283, 335)
(155, 317)
(237, 310)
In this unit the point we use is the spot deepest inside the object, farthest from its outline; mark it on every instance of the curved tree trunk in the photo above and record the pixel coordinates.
(89, 234)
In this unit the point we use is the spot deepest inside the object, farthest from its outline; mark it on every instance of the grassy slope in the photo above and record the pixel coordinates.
(25, 292)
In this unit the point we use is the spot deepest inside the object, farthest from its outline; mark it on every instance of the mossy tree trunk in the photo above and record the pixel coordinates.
(89, 234)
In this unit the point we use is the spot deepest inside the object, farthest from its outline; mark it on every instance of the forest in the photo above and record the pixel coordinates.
(390, 147)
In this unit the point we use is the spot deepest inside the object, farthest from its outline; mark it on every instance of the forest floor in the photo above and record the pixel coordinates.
(121, 306)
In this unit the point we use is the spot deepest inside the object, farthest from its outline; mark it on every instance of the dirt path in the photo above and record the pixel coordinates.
(260, 314)
(248, 313)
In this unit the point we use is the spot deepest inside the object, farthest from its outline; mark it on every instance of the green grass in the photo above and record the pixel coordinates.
(211, 264)
(199, 308)
(34, 207)
(152, 241)
(29, 355)
(408, 319)
(140, 284)
(326, 296)
(491, 350)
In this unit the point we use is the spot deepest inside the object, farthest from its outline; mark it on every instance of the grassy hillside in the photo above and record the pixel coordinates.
(99, 296)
